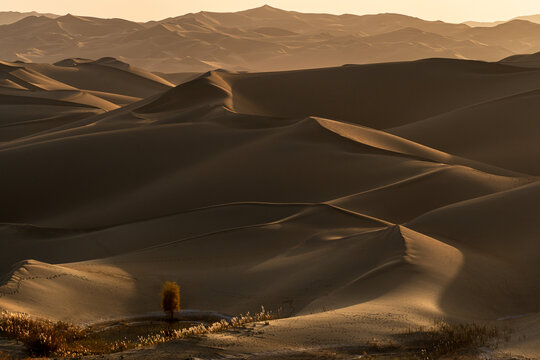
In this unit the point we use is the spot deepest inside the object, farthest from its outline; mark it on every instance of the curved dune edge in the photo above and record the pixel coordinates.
(40, 98)
(271, 189)
(486, 131)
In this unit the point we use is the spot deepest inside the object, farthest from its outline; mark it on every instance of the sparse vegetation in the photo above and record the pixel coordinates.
(4, 356)
(445, 339)
(235, 322)
(47, 338)
(41, 337)
(170, 298)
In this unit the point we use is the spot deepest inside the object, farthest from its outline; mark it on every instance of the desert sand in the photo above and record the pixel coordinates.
(360, 199)
(360, 173)
(260, 39)
(10, 17)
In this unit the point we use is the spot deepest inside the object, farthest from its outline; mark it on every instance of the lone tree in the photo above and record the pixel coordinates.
(170, 298)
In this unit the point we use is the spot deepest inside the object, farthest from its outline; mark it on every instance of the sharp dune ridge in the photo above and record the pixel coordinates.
(360, 199)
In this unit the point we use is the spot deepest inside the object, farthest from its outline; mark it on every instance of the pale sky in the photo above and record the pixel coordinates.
(144, 10)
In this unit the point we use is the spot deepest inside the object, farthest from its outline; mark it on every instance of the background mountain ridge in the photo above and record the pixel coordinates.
(260, 39)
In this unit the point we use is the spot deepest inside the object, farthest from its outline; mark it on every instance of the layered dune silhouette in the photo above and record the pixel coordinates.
(376, 196)
(9, 17)
(361, 199)
(261, 39)
(38, 97)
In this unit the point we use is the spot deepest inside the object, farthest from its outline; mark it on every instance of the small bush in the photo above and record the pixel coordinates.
(449, 339)
(446, 338)
(170, 298)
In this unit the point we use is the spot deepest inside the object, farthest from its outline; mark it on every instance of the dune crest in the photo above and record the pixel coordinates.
(360, 199)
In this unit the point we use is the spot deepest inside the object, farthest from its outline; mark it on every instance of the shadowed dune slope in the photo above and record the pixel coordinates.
(380, 95)
(523, 60)
(40, 97)
(511, 245)
(279, 189)
(501, 132)
(513, 239)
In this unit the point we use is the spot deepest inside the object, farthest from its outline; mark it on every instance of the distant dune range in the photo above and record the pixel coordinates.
(361, 199)
(260, 39)
(9, 17)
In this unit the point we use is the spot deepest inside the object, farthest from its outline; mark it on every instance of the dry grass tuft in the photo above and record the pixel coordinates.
(447, 338)
(41, 337)
(201, 329)
(47, 338)
(454, 339)
(4, 356)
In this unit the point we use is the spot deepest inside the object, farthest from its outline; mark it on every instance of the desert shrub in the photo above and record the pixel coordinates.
(170, 298)
(41, 337)
(47, 338)
(448, 339)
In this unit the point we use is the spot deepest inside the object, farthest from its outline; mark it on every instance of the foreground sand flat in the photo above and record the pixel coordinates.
(361, 200)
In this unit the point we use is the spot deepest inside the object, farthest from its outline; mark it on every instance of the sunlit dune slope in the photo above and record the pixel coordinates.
(384, 195)
(40, 97)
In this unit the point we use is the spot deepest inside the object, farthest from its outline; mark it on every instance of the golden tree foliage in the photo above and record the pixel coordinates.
(170, 298)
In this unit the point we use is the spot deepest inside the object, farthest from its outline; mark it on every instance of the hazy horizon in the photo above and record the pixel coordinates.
(449, 11)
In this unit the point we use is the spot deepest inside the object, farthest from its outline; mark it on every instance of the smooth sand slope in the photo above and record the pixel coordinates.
(40, 97)
(523, 60)
(278, 189)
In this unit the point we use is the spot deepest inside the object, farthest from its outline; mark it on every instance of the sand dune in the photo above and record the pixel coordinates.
(40, 97)
(525, 60)
(361, 199)
(261, 39)
(514, 243)
(518, 36)
(9, 17)
(499, 132)
(439, 85)
(531, 18)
